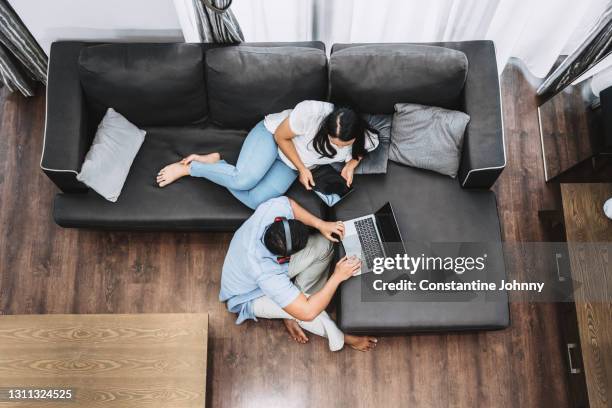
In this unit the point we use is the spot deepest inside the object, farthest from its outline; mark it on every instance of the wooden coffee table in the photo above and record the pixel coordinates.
(140, 360)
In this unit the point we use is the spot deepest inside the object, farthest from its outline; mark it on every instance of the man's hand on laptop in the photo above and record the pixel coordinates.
(332, 230)
(347, 267)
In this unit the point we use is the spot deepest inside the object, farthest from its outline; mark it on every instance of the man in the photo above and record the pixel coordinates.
(258, 279)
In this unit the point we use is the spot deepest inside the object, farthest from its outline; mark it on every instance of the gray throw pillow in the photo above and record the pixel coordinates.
(428, 137)
(111, 154)
(375, 161)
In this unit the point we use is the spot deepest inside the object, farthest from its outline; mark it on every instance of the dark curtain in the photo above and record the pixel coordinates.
(216, 22)
(596, 47)
(22, 61)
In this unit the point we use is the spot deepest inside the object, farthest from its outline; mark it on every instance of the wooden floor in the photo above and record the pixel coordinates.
(91, 359)
(46, 269)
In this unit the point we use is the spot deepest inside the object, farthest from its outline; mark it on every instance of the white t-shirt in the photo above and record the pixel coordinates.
(305, 120)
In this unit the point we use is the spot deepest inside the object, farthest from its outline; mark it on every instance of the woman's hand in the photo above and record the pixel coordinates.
(348, 171)
(347, 267)
(330, 228)
(190, 158)
(306, 178)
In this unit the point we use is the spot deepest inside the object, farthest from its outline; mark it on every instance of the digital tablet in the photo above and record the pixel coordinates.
(330, 186)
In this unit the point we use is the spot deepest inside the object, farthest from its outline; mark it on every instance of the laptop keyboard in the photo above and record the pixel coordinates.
(370, 244)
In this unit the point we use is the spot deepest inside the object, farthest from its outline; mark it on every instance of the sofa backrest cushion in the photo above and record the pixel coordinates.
(373, 78)
(245, 82)
(149, 84)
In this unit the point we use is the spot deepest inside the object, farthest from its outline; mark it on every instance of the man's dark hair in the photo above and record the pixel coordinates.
(274, 237)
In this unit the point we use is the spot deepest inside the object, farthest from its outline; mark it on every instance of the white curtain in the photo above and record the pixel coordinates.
(536, 31)
(200, 24)
(275, 20)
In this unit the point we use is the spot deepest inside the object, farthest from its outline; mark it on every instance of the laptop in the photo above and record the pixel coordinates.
(373, 236)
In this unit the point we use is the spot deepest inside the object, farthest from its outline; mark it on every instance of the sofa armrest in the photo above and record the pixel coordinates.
(67, 138)
(483, 157)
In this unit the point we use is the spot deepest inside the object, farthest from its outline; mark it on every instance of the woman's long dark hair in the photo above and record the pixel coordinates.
(345, 124)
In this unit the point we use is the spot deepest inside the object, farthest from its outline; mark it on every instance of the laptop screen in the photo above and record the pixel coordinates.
(387, 225)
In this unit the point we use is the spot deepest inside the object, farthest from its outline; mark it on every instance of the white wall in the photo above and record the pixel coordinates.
(126, 20)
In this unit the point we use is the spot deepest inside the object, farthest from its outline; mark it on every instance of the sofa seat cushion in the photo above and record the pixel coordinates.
(430, 208)
(189, 204)
(149, 84)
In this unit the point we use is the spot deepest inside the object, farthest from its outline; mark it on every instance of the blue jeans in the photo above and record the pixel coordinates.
(259, 173)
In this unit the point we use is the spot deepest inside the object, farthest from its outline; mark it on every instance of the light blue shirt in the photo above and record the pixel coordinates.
(251, 271)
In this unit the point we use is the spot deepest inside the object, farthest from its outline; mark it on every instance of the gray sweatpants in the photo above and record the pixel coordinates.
(308, 268)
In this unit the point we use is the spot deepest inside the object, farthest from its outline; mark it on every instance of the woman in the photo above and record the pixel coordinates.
(281, 147)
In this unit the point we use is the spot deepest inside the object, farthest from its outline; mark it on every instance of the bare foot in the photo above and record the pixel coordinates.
(295, 331)
(171, 173)
(361, 343)
(202, 158)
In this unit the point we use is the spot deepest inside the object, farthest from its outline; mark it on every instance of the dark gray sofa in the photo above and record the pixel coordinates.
(241, 85)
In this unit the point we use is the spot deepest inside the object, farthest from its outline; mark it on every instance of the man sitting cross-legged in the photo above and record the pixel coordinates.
(276, 269)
